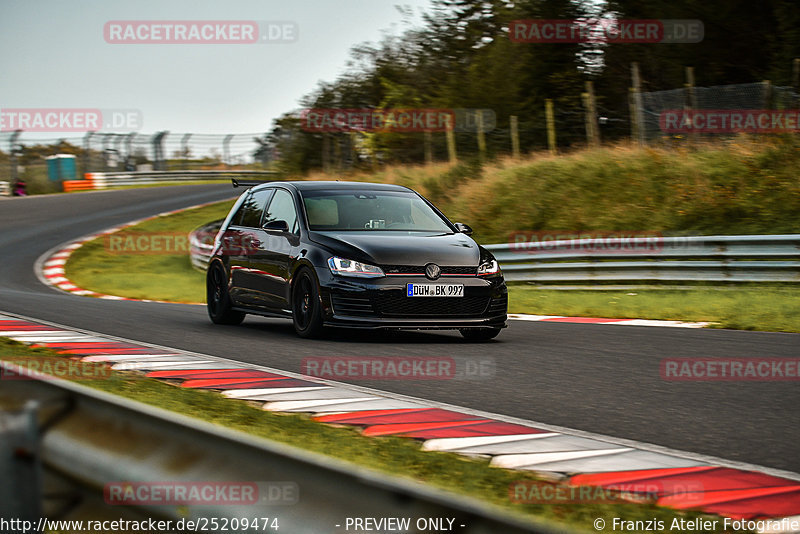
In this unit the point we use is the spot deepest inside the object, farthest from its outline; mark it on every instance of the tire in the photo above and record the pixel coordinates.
(306, 305)
(479, 334)
(218, 300)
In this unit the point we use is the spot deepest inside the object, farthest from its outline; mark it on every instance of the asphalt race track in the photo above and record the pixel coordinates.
(598, 378)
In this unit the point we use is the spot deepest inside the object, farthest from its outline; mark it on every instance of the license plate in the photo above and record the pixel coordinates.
(435, 290)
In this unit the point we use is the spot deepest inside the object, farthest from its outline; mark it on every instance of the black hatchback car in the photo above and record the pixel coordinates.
(351, 254)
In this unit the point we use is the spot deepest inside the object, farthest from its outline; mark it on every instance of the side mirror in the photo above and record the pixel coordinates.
(276, 226)
(463, 228)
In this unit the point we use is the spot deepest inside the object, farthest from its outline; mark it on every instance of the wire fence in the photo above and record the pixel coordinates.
(23, 157)
(744, 96)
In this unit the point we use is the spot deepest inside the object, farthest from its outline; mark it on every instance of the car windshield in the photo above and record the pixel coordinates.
(366, 210)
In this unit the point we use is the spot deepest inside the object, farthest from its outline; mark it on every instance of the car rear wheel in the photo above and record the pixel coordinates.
(306, 305)
(479, 334)
(220, 306)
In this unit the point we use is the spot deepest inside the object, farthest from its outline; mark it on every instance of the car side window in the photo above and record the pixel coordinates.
(282, 209)
(250, 211)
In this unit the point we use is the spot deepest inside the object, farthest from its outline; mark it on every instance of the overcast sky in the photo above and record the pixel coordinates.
(53, 54)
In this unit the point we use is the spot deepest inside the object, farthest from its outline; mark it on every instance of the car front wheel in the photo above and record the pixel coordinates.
(306, 305)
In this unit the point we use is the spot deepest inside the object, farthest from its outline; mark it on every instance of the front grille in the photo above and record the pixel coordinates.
(396, 304)
(420, 269)
(349, 305)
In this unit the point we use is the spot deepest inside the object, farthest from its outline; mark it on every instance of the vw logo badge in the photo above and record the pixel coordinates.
(432, 271)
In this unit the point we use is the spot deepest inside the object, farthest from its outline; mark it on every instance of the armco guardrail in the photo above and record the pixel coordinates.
(95, 439)
(739, 258)
(104, 180)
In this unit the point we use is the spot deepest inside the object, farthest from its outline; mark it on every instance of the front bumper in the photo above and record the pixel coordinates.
(382, 303)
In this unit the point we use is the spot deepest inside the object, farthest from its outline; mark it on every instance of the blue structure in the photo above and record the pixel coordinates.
(61, 167)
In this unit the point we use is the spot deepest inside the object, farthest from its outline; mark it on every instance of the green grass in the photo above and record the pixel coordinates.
(167, 277)
(747, 308)
(390, 454)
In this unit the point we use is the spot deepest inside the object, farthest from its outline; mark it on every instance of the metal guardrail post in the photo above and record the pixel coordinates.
(106, 151)
(20, 464)
(118, 139)
(159, 163)
(185, 148)
(86, 158)
(12, 156)
(130, 160)
(226, 151)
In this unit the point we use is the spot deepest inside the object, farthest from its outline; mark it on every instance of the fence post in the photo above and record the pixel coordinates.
(12, 156)
(226, 151)
(86, 159)
(767, 94)
(796, 80)
(481, 138)
(118, 138)
(691, 97)
(353, 138)
(451, 144)
(551, 126)
(130, 160)
(158, 151)
(637, 110)
(326, 142)
(592, 130)
(337, 152)
(514, 125)
(428, 147)
(690, 102)
(185, 149)
(107, 151)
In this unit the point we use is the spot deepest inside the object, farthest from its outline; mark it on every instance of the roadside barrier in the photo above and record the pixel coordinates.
(104, 180)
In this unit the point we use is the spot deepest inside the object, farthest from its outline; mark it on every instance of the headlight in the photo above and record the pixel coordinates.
(488, 267)
(345, 267)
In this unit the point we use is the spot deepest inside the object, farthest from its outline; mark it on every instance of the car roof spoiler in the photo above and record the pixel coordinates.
(243, 182)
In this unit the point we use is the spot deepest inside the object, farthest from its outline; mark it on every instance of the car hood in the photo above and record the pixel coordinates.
(402, 248)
